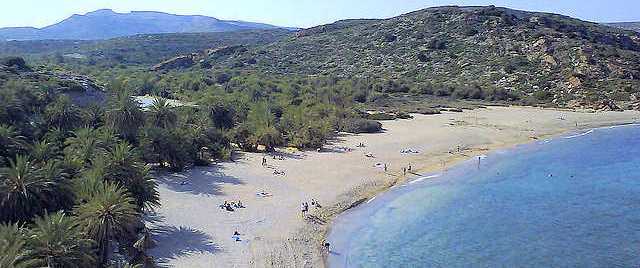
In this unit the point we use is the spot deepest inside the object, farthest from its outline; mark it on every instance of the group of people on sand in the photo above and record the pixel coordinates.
(305, 206)
(232, 206)
(406, 169)
(275, 171)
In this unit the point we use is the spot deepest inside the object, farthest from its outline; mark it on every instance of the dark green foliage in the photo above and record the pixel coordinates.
(362, 126)
(57, 241)
(63, 114)
(125, 116)
(27, 190)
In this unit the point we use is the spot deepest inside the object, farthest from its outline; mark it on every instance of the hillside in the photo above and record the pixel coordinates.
(631, 26)
(139, 49)
(106, 24)
(467, 52)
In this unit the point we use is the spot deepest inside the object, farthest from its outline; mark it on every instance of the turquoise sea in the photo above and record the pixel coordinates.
(572, 201)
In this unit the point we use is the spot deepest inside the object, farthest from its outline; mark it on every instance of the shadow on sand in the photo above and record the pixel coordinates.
(173, 242)
(198, 180)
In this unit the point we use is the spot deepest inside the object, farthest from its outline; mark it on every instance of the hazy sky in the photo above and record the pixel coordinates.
(299, 13)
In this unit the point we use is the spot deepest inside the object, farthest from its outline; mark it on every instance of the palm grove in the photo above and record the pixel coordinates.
(75, 180)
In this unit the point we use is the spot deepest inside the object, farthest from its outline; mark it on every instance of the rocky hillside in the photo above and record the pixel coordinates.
(552, 58)
(106, 24)
(631, 26)
(82, 90)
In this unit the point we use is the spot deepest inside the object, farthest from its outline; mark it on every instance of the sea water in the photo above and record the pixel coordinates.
(572, 201)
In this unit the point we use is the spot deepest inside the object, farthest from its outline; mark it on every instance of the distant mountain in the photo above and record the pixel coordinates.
(106, 24)
(632, 26)
(466, 52)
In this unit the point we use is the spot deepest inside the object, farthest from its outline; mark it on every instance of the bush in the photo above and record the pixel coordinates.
(403, 115)
(360, 125)
(381, 116)
(429, 111)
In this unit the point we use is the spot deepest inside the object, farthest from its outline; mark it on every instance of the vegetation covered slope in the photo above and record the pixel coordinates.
(139, 49)
(465, 49)
(106, 24)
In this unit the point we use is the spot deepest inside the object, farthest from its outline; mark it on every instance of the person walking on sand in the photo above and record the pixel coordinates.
(409, 167)
(404, 171)
(264, 161)
(304, 208)
(385, 167)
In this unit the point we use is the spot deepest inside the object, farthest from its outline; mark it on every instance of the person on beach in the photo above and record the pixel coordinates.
(385, 167)
(304, 209)
(315, 203)
(264, 161)
(327, 247)
(409, 167)
(236, 236)
(404, 171)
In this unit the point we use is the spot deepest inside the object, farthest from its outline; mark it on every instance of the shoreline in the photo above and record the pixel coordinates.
(373, 193)
(340, 177)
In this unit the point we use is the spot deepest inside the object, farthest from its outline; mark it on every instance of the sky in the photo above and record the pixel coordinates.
(299, 13)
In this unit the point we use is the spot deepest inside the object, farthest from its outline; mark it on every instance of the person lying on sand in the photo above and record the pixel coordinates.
(263, 194)
(226, 206)
(369, 154)
(278, 172)
(236, 236)
(315, 203)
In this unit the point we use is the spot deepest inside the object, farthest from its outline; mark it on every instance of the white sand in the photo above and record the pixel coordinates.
(195, 232)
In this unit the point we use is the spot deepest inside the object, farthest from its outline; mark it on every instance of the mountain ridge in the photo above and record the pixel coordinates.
(106, 24)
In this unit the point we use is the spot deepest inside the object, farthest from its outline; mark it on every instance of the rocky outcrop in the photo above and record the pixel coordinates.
(225, 51)
(180, 62)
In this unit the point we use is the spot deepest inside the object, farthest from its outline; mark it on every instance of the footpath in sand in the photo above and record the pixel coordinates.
(191, 230)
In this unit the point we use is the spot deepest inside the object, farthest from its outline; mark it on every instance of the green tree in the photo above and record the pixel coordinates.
(57, 241)
(125, 168)
(14, 252)
(107, 216)
(83, 145)
(11, 142)
(125, 116)
(261, 123)
(25, 191)
(162, 114)
(63, 114)
(43, 151)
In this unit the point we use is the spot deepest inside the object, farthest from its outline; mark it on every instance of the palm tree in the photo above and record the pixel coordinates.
(83, 145)
(57, 241)
(13, 248)
(126, 168)
(125, 116)
(63, 114)
(107, 216)
(11, 142)
(162, 113)
(24, 192)
(42, 151)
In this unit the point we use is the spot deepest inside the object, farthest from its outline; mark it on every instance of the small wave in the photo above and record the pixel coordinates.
(579, 135)
(424, 178)
(371, 200)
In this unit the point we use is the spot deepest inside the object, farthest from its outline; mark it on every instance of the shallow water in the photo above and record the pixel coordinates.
(567, 202)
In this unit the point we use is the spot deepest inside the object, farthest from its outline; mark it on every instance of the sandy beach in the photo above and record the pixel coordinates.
(191, 230)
